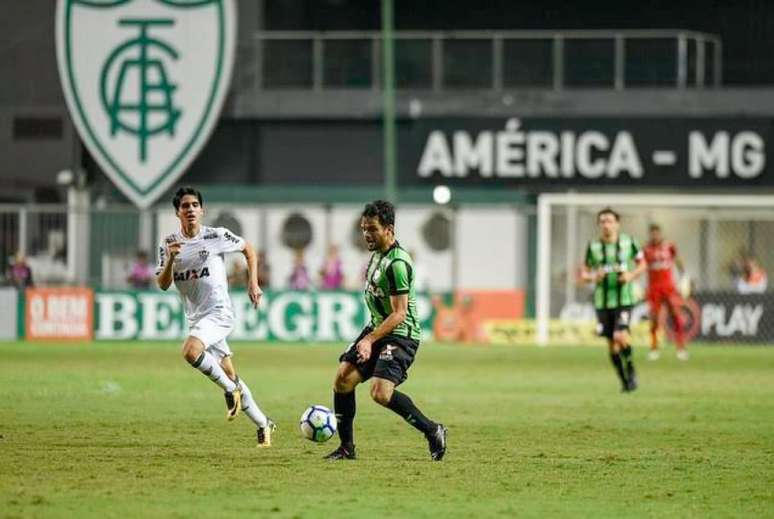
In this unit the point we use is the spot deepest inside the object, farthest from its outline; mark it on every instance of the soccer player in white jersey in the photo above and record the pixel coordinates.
(193, 259)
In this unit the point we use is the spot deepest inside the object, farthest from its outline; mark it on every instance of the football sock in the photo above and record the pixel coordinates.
(615, 358)
(250, 408)
(207, 364)
(626, 354)
(344, 405)
(401, 404)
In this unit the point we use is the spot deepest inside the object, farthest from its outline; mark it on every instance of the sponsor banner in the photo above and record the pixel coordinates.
(572, 333)
(59, 313)
(464, 320)
(731, 317)
(575, 152)
(282, 316)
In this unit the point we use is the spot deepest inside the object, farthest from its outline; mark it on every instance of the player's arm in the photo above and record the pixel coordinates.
(167, 256)
(254, 291)
(588, 274)
(678, 260)
(399, 303)
(640, 265)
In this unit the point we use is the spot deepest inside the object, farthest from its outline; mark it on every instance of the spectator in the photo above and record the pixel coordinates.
(754, 279)
(141, 272)
(264, 271)
(299, 276)
(237, 276)
(332, 274)
(20, 273)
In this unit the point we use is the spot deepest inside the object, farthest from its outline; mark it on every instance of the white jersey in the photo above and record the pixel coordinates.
(200, 272)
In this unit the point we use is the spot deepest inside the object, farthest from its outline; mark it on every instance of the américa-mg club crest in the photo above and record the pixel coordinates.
(145, 81)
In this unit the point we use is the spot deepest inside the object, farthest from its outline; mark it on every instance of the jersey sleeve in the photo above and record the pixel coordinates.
(399, 277)
(161, 256)
(637, 253)
(589, 259)
(228, 241)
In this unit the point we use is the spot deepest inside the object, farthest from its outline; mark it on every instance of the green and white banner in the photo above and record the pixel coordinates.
(282, 316)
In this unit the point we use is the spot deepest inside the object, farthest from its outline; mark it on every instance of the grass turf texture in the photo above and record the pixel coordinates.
(131, 430)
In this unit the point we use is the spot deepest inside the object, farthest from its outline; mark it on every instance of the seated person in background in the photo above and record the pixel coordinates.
(141, 273)
(20, 273)
(299, 277)
(264, 271)
(753, 280)
(237, 276)
(331, 273)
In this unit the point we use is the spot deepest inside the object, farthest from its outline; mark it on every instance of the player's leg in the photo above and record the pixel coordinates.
(264, 425)
(194, 352)
(606, 328)
(654, 302)
(394, 359)
(344, 405)
(674, 303)
(623, 341)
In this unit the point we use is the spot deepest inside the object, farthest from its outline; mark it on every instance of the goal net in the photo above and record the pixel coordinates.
(726, 243)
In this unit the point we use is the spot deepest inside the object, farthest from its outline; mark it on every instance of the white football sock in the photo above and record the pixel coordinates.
(250, 408)
(207, 364)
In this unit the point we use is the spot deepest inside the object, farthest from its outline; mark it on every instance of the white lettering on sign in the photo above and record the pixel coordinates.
(517, 153)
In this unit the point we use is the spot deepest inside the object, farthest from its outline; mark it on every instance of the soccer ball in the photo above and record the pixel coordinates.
(318, 424)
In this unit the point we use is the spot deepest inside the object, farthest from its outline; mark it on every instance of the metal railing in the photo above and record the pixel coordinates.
(483, 60)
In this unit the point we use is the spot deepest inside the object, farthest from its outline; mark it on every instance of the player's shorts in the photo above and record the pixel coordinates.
(391, 357)
(611, 320)
(659, 294)
(212, 330)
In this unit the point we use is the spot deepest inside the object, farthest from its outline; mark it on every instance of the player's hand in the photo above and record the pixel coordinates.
(173, 249)
(254, 292)
(625, 277)
(364, 349)
(599, 276)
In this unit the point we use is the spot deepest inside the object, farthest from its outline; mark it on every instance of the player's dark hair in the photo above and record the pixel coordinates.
(383, 210)
(608, 210)
(186, 190)
(654, 227)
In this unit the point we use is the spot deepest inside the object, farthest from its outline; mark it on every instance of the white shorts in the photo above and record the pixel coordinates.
(212, 330)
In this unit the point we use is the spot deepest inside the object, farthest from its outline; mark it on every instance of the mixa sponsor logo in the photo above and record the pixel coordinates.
(189, 275)
(210, 236)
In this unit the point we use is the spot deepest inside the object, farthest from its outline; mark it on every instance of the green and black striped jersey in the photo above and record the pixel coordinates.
(613, 258)
(392, 273)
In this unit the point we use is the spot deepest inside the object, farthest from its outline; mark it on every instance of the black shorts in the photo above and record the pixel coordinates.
(613, 320)
(391, 357)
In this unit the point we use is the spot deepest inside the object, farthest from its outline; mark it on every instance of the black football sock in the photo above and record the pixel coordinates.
(626, 354)
(401, 404)
(344, 405)
(615, 358)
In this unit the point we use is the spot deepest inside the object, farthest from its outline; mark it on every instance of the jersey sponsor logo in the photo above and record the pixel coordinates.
(145, 81)
(210, 236)
(189, 275)
(386, 353)
(230, 237)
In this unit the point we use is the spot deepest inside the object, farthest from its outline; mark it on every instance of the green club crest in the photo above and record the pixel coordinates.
(145, 81)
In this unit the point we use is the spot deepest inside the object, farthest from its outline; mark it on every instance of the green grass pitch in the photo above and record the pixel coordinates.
(117, 430)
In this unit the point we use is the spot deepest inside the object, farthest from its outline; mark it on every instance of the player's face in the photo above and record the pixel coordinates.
(608, 225)
(376, 236)
(655, 236)
(190, 211)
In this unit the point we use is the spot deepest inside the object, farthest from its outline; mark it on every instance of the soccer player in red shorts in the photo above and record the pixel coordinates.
(661, 257)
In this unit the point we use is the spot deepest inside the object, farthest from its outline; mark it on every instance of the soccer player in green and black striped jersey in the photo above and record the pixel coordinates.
(613, 261)
(387, 346)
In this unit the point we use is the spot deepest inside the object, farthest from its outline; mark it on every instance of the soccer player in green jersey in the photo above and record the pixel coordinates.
(386, 348)
(613, 261)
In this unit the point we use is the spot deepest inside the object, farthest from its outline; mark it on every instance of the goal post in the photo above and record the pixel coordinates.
(708, 230)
